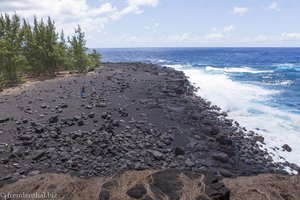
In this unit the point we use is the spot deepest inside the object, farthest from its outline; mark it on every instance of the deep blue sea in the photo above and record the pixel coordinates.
(259, 87)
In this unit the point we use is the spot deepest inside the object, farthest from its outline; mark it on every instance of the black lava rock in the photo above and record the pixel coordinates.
(104, 195)
(53, 119)
(179, 151)
(137, 191)
(80, 123)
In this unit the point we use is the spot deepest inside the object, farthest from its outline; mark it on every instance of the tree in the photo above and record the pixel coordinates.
(10, 46)
(78, 50)
(64, 61)
(2, 44)
(95, 59)
(30, 49)
(39, 49)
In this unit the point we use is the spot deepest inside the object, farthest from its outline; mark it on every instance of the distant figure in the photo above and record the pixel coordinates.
(187, 87)
(82, 92)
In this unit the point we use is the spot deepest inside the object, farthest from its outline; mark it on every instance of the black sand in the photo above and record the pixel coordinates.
(134, 116)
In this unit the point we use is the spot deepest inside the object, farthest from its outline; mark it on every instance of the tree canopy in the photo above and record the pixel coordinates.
(38, 49)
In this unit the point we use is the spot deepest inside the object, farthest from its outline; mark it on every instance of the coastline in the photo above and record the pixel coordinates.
(135, 116)
(283, 149)
(258, 88)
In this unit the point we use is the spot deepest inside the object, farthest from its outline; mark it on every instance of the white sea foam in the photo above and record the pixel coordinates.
(246, 104)
(285, 82)
(237, 70)
(161, 61)
(280, 82)
(287, 66)
(284, 65)
(176, 66)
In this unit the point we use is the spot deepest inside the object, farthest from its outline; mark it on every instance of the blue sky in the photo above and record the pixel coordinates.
(171, 23)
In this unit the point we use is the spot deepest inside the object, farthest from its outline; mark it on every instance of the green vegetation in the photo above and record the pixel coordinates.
(39, 50)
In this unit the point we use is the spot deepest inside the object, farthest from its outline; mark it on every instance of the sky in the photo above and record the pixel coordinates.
(171, 23)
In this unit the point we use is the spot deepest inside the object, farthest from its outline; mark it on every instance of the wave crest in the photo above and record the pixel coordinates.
(237, 70)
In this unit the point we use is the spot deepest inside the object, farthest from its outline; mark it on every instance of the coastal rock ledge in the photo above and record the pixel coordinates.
(159, 185)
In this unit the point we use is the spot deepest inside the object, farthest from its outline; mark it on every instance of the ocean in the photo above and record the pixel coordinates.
(258, 87)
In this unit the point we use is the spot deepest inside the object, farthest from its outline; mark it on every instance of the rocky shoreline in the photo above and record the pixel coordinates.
(135, 116)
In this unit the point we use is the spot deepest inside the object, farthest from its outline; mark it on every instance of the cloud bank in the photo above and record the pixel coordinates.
(69, 13)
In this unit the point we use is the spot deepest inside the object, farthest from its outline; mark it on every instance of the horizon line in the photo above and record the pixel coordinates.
(186, 47)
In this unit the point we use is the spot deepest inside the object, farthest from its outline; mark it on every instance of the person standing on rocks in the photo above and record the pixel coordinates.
(82, 92)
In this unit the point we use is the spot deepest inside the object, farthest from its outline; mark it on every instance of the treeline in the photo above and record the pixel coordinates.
(38, 49)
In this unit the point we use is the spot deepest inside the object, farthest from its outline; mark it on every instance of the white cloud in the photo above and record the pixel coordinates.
(214, 36)
(239, 10)
(134, 6)
(172, 40)
(152, 28)
(178, 38)
(273, 39)
(265, 38)
(104, 8)
(68, 13)
(210, 39)
(290, 36)
(274, 6)
(206, 38)
(213, 29)
(152, 3)
(229, 28)
(168, 40)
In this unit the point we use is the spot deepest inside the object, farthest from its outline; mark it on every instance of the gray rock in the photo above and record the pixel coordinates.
(116, 123)
(26, 137)
(18, 150)
(223, 140)
(226, 173)
(34, 173)
(39, 129)
(64, 105)
(14, 176)
(3, 120)
(179, 151)
(89, 142)
(59, 110)
(137, 191)
(177, 109)
(220, 156)
(123, 112)
(294, 166)
(53, 119)
(259, 138)
(91, 115)
(160, 144)
(54, 134)
(102, 104)
(287, 148)
(156, 154)
(89, 107)
(104, 115)
(189, 163)
(76, 134)
(77, 118)
(38, 154)
(104, 195)
(80, 123)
